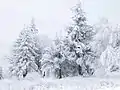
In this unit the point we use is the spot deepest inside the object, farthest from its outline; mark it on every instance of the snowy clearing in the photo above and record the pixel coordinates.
(71, 83)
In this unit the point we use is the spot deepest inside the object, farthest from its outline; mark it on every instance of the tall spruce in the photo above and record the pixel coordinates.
(26, 52)
(79, 35)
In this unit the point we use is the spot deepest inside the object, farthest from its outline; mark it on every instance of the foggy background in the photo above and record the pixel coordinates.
(51, 16)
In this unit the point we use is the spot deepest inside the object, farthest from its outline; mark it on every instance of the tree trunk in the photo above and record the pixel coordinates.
(60, 74)
(43, 74)
(80, 70)
(24, 75)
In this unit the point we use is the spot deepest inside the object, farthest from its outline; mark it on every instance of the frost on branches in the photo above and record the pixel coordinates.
(26, 52)
(110, 58)
(52, 59)
(56, 60)
(100, 41)
(79, 36)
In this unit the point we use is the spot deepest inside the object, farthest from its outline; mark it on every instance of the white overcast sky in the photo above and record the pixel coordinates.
(51, 16)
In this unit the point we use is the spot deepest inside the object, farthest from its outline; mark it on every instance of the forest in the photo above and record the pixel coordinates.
(81, 52)
(84, 51)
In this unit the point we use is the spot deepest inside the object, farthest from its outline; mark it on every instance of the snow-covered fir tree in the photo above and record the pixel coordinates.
(66, 66)
(26, 52)
(69, 65)
(79, 35)
(110, 58)
(56, 60)
(52, 59)
(100, 41)
(47, 62)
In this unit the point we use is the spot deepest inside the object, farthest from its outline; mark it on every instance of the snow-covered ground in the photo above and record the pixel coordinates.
(70, 83)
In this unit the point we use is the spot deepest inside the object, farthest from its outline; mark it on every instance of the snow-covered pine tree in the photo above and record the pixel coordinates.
(110, 58)
(55, 60)
(65, 67)
(58, 56)
(68, 66)
(47, 63)
(52, 59)
(102, 36)
(79, 35)
(37, 48)
(26, 52)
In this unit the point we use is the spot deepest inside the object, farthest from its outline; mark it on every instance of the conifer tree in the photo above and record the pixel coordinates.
(26, 52)
(52, 59)
(79, 35)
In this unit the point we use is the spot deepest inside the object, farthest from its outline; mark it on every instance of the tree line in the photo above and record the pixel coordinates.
(83, 50)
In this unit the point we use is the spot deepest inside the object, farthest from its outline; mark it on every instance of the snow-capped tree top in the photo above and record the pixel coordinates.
(79, 31)
(79, 17)
(32, 27)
